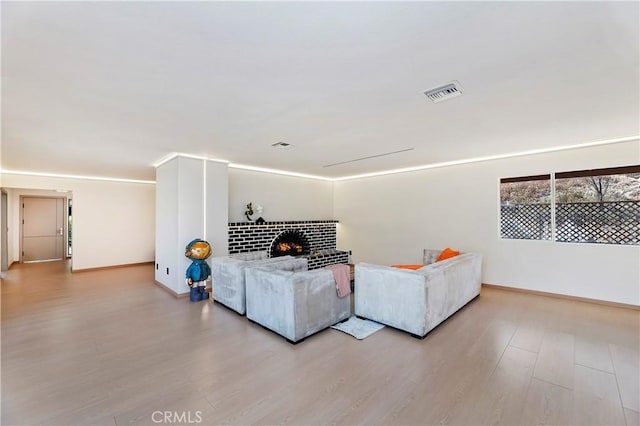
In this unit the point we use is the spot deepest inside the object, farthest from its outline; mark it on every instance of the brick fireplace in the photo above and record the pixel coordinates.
(319, 234)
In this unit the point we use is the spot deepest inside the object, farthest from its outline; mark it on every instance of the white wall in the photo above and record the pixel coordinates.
(390, 219)
(217, 207)
(282, 197)
(191, 203)
(113, 222)
(166, 215)
(190, 221)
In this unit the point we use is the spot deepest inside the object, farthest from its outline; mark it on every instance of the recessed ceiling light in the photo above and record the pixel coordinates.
(283, 145)
(278, 172)
(82, 177)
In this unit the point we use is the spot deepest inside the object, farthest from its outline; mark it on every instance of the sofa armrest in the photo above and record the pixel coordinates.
(289, 264)
(451, 284)
(251, 255)
(227, 280)
(270, 300)
(268, 260)
(317, 305)
(472, 262)
(396, 297)
(429, 256)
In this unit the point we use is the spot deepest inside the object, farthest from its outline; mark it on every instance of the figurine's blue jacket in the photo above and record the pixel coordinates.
(199, 270)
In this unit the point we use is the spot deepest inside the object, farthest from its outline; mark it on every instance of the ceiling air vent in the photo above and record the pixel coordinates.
(442, 93)
(281, 145)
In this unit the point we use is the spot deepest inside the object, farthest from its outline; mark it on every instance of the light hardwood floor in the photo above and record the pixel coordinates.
(110, 347)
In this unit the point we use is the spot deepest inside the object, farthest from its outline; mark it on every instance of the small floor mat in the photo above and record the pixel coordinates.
(358, 328)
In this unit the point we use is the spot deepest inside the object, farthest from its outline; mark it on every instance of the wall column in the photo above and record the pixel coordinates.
(191, 202)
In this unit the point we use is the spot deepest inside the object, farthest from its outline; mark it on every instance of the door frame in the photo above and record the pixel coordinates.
(4, 231)
(65, 222)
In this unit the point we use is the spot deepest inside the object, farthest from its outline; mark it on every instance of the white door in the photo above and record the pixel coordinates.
(42, 229)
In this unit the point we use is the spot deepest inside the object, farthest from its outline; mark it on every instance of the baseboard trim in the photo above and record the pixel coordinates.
(171, 292)
(102, 268)
(563, 296)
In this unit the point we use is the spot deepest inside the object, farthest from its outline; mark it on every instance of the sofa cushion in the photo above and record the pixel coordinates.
(251, 255)
(447, 254)
(412, 267)
(287, 263)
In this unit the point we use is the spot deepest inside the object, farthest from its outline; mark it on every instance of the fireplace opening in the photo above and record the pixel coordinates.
(289, 242)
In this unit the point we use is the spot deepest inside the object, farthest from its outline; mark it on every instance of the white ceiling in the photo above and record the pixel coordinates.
(109, 88)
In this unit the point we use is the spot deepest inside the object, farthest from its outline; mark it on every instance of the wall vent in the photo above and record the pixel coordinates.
(442, 93)
(281, 145)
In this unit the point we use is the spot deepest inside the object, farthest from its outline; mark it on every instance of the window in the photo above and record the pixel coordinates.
(525, 208)
(598, 206)
(589, 206)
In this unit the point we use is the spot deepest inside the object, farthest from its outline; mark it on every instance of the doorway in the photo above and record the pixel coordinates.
(69, 226)
(4, 230)
(42, 229)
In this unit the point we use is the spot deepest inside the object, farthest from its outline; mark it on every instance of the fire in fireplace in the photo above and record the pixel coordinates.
(289, 242)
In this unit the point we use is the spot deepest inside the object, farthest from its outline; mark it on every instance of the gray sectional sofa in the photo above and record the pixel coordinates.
(292, 301)
(417, 301)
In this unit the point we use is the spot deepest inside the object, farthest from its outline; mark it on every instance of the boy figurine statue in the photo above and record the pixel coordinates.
(197, 273)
